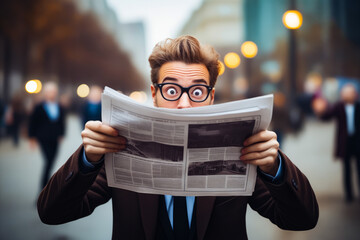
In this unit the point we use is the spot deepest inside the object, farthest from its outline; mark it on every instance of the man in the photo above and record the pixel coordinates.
(46, 127)
(183, 74)
(92, 108)
(347, 115)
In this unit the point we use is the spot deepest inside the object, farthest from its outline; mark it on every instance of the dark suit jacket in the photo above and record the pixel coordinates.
(71, 194)
(44, 129)
(337, 111)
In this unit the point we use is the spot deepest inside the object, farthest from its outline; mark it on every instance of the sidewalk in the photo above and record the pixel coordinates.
(311, 151)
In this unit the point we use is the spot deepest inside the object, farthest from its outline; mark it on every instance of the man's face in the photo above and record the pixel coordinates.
(349, 94)
(51, 93)
(185, 75)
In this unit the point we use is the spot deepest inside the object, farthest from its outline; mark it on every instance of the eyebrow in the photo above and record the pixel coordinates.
(176, 80)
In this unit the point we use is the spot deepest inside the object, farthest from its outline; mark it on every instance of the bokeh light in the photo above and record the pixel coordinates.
(292, 19)
(279, 99)
(241, 85)
(33, 86)
(232, 60)
(249, 49)
(139, 96)
(83, 90)
(222, 68)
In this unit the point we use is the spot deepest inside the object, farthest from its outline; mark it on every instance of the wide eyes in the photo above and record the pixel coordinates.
(171, 91)
(197, 92)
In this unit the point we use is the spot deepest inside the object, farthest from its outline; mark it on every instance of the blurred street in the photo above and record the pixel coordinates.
(311, 151)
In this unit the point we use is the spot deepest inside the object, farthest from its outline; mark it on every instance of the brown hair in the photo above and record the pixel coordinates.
(185, 49)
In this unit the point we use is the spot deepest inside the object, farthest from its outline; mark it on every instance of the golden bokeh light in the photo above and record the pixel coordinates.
(139, 96)
(279, 99)
(292, 19)
(33, 86)
(249, 49)
(83, 90)
(221, 68)
(232, 60)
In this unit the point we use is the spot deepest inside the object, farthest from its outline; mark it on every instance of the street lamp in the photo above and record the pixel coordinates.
(232, 60)
(249, 50)
(292, 19)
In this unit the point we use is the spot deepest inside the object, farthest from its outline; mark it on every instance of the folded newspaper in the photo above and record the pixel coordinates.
(188, 152)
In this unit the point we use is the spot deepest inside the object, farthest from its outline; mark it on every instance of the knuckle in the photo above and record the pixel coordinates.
(274, 152)
(274, 135)
(88, 124)
(262, 134)
(86, 141)
(90, 149)
(83, 134)
(269, 160)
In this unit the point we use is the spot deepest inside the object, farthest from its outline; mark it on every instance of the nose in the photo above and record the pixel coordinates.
(184, 101)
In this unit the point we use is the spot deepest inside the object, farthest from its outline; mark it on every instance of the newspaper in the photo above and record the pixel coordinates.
(188, 152)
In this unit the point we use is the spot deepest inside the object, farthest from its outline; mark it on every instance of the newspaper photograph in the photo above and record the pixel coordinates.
(187, 152)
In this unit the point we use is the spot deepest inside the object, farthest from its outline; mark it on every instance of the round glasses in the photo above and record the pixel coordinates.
(173, 91)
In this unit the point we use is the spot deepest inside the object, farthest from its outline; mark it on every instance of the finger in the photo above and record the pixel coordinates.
(89, 149)
(271, 152)
(268, 160)
(101, 144)
(87, 133)
(262, 146)
(99, 127)
(262, 136)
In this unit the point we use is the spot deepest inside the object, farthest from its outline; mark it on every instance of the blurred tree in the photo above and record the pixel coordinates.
(44, 38)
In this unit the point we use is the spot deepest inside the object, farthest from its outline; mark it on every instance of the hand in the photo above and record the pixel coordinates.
(99, 139)
(261, 149)
(319, 106)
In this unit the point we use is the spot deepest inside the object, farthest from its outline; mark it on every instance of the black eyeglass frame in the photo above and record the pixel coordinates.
(183, 89)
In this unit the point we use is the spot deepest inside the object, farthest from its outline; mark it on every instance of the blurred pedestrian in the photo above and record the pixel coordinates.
(2, 119)
(14, 117)
(92, 107)
(46, 127)
(347, 115)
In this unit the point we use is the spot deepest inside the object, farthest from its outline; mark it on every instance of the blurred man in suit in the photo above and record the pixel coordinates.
(46, 127)
(346, 112)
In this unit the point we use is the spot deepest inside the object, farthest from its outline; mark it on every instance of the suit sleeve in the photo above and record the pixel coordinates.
(71, 194)
(292, 204)
(331, 112)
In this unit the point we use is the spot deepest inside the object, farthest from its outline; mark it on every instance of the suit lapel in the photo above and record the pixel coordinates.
(204, 207)
(149, 205)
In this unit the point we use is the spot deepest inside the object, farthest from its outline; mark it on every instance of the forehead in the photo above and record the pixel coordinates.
(184, 72)
(347, 89)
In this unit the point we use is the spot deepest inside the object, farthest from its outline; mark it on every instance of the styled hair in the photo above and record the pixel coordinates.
(185, 49)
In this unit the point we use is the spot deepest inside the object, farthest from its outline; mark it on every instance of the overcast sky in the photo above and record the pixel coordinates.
(162, 18)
